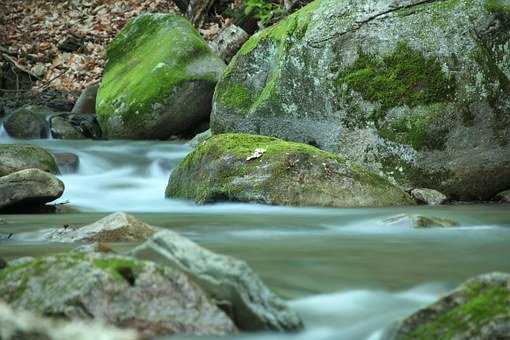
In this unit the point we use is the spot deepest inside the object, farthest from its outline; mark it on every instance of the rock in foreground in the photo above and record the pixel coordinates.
(16, 157)
(118, 227)
(230, 282)
(159, 80)
(396, 85)
(27, 188)
(117, 290)
(478, 309)
(17, 325)
(249, 168)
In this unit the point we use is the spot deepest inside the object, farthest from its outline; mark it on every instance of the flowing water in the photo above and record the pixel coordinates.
(347, 272)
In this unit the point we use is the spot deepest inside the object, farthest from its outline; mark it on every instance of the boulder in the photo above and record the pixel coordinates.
(118, 290)
(28, 122)
(478, 309)
(421, 222)
(249, 168)
(200, 138)
(16, 325)
(117, 227)
(29, 187)
(228, 41)
(158, 81)
(67, 162)
(230, 282)
(16, 157)
(396, 85)
(86, 103)
(503, 196)
(75, 126)
(428, 196)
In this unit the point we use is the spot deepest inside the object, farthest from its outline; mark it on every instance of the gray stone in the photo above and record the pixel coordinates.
(478, 309)
(228, 41)
(16, 157)
(117, 227)
(75, 126)
(503, 196)
(230, 282)
(17, 325)
(428, 196)
(28, 122)
(67, 162)
(117, 290)
(421, 222)
(86, 103)
(29, 187)
(200, 138)
(399, 86)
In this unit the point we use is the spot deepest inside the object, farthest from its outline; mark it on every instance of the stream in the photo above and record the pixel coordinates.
(347, 272)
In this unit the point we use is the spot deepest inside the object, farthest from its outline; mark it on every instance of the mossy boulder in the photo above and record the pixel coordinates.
(250, 168)
(416, 90)
(28, 122)
(16, 157)
(158, 81)
(478, 309)
(117, 290)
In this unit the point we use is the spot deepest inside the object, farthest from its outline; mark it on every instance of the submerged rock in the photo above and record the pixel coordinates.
(158, 81)
(478, 309)
(27, 188)
(249, 168)
(86, 103)
(67, 162)
(428, 196)
(17, 325)
(118, 290)
(28, 122)
(230, 282)
(396, 85)
(117, 227)
(419, 221)
(16, 157)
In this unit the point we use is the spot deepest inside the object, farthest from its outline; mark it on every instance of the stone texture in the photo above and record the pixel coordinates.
(117, 227)
(68, 163)
(428, 196)
(28, 122)
(75, 126)
(200, 138)
(230, 282)
(29, 187)
(417, 90)
(249, 168)
(118, 290)
(228, 42)
(16, 157)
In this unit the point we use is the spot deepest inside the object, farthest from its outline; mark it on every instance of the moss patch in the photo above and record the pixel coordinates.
(404, 77)
(235, 96)
(498, 7)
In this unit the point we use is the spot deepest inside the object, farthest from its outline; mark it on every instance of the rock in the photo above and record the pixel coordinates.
(16, 157)
(396, 85)
(29, 187)
(478, 309)
(419, 221)
(75, 126)
(228, 41)
(200, 138)
(428, 196)
(118, 227)
(166, 94)
(16, 325)
(230, 282)
(504, 196)
(249, 168)
(121, 291)
(71, 43)
(96, 247)
(29, 122)
(67, 162)
(86, 103)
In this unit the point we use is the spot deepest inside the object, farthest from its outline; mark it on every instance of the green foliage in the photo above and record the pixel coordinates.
(263, 10)
(498, 7)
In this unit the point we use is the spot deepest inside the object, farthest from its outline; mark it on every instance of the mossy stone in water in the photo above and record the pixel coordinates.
(16, 157)
(158, 81)
(251, 168)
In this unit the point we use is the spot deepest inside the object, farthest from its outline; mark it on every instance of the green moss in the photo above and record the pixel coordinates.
(235, 96)
(404, 77)
(28, 154)
(483, 304)
(112, 265)
(498, 7)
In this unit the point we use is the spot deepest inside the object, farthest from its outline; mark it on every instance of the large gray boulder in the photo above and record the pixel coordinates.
(158, 81)
(30, 187)
(417, 90)
(28, 122)
(230, 282)
(117, 290)
(17, 325)
(117, 227)
(16, 157)
(478, 309)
